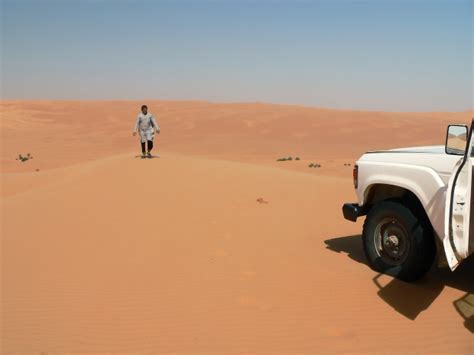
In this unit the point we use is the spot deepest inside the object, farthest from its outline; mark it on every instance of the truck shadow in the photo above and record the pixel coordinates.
(410, 299)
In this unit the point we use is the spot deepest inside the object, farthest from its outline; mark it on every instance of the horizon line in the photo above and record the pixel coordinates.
(471, 110)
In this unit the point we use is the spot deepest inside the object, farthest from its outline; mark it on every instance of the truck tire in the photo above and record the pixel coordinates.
(397, 242)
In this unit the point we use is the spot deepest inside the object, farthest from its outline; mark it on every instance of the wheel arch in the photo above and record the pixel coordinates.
(379, 192)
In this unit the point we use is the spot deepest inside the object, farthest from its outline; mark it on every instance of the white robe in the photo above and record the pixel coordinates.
(146, 125)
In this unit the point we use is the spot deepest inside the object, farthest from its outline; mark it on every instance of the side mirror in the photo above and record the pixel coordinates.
(456, 140)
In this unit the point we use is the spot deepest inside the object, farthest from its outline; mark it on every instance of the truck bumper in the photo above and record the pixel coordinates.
(352, 211)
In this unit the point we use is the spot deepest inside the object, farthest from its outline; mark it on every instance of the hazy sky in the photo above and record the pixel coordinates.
(396, 55)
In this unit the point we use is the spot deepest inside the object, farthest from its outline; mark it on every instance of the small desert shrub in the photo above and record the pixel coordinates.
(24, 158)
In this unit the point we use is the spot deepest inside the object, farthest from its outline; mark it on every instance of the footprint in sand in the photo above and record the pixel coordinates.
(247, 274)
(266, 307)
(220, 253)
(339, 333)
(251, 302)
(246, 300)
(227, 236)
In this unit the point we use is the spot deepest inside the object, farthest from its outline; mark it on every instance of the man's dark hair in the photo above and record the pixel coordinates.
(144, 106)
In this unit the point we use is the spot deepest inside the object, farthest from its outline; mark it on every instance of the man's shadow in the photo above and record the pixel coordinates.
(152, 157)
(410, 299)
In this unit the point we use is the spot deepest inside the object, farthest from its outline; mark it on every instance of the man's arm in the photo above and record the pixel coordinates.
(155, 125)
(137, 122)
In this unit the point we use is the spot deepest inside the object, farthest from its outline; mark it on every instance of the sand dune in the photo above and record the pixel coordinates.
(106, 253)
(59, 133)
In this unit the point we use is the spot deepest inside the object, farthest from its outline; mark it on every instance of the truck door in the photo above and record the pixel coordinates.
(459, 216)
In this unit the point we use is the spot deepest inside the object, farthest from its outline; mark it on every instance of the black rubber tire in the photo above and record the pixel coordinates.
(421, 245)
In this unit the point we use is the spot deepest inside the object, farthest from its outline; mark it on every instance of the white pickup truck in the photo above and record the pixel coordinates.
(418, 205)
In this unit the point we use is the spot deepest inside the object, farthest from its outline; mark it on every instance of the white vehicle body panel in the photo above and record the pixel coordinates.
(425, 171)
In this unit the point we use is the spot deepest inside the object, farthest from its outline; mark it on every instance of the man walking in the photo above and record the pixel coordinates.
(146, 126)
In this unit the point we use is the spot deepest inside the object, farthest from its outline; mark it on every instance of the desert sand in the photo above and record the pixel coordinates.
(214, 247)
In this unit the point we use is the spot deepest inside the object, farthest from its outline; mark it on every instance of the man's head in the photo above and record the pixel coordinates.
(144, 109)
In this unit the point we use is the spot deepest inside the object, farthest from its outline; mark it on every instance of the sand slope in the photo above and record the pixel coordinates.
(104, 253)
(175, 255)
